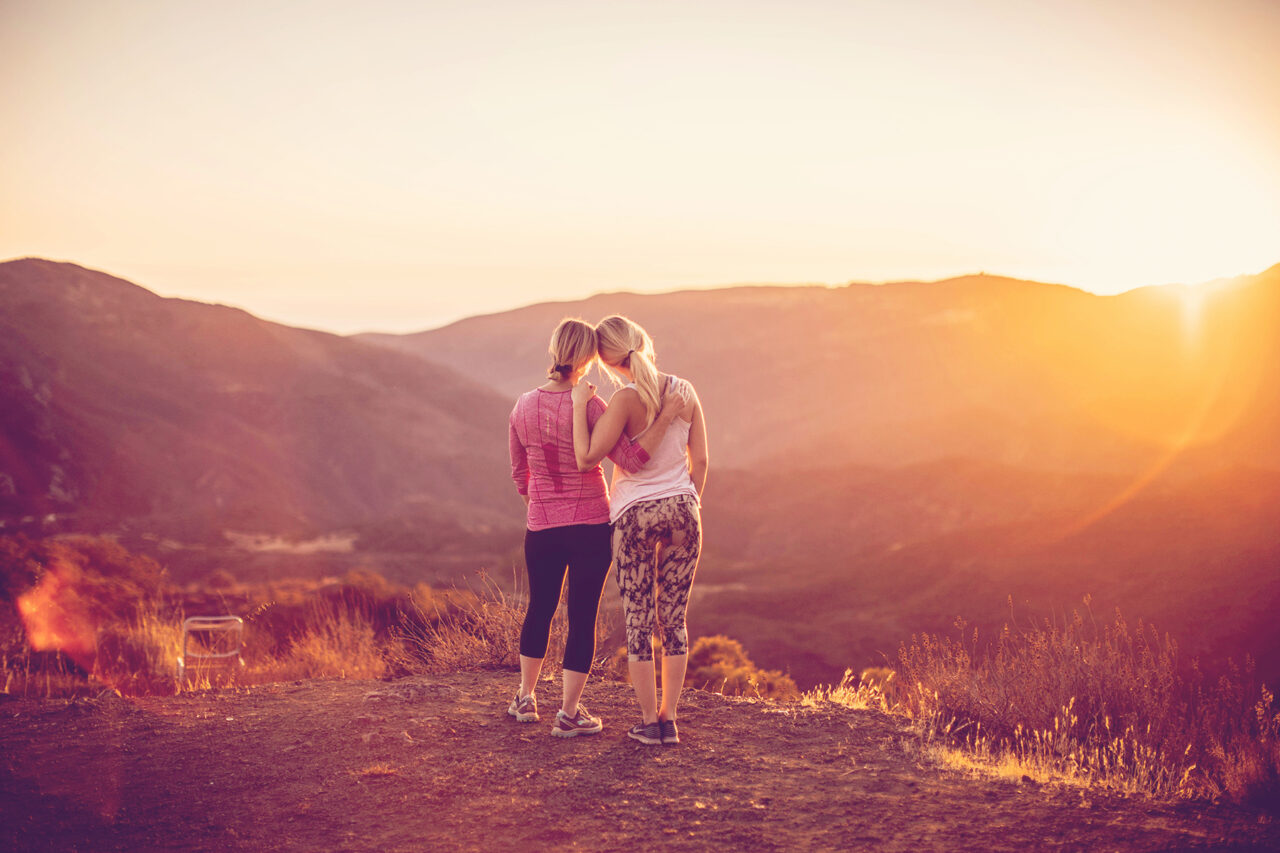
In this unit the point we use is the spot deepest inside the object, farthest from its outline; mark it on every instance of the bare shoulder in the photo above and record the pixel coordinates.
(625, 397)
(685, 389)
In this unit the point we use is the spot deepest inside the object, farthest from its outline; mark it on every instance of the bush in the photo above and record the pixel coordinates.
(720, 664)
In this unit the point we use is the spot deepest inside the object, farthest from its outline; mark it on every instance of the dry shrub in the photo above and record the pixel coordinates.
(337, 642)
(720, 664)
(1107, 705)
(467, 630)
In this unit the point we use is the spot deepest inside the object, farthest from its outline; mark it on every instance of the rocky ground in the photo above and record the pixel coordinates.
(435, 763)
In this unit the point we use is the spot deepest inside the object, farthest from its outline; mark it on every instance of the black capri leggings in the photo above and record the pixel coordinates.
(586, 550)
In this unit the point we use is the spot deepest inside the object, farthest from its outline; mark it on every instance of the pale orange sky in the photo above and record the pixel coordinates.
(394, 166)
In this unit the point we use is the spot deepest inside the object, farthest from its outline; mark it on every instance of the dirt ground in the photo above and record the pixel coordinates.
(435, 763)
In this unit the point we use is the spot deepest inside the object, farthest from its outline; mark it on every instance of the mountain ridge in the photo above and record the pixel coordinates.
(1070, 379)
(191, 419)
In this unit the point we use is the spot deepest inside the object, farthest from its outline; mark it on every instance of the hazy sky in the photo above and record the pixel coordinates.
(393, 166)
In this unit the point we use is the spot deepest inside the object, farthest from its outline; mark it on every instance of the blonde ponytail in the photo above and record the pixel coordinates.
(624, 343)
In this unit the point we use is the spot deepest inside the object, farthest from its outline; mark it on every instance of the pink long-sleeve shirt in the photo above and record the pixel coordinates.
(545, 468)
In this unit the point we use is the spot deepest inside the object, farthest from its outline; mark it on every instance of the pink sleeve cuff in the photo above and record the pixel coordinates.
(629, 455)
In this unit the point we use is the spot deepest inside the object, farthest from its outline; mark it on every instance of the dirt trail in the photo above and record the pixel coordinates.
(436, 764)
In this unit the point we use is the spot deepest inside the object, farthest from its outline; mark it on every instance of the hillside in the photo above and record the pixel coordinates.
(437, 764)
(1014, 372)
(178, 423)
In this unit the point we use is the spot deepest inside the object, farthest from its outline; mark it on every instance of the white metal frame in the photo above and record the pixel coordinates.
(210, 624)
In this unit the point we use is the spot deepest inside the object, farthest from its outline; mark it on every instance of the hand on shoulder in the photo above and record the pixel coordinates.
(678, 396)
(582, 392)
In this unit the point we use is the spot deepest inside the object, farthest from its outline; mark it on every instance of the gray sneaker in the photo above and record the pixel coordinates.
(581, 723)
(649, 734)
(670, 734)
(524, 708)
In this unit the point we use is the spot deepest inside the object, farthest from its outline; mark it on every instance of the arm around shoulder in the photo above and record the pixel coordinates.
(593, 441)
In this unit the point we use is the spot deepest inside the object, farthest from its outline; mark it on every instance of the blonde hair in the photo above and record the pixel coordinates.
(573, 344)
(623, 343)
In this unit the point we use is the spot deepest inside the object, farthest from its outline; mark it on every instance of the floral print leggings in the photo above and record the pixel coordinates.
(657, 543)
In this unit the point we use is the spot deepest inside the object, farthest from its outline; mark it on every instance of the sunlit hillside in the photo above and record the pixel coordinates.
(217, 440)
(1015, 372)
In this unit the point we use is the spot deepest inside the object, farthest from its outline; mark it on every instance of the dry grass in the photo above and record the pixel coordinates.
(858, 692)
(139, 655)
(1107, 705)
(480, 630)
(336, 642)
(378, 771)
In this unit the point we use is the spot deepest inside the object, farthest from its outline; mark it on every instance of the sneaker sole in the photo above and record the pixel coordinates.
(523, 718)
(647, 741)
(557, 732)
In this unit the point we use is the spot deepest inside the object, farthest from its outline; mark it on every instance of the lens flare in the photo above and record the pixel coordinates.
(57, 619)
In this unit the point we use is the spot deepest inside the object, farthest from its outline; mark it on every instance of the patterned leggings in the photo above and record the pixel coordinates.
(657, 540)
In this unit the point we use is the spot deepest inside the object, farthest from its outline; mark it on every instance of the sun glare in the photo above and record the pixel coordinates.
(1147, 217)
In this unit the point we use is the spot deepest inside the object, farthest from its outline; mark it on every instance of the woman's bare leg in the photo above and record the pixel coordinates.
(645, 683)
(530, 669)
(673, 667)
(574, 682)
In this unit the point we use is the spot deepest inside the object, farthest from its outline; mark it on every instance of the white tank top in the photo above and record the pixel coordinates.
(665, 475)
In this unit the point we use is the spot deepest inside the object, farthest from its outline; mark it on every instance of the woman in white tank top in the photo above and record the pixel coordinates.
(657, 526)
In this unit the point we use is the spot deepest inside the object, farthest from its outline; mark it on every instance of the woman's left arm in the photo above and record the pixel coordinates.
(698, 447)
(592, 441)
(632, 454)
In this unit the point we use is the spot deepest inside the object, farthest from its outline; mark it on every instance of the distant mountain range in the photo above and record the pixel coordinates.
(884, 458)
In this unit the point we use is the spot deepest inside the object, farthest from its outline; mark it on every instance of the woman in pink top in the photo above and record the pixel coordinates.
(657, 530)
(568, 523)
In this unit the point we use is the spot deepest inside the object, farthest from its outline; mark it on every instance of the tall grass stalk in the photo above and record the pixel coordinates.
(1107, 705)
